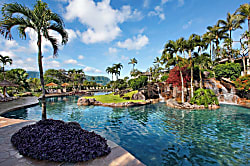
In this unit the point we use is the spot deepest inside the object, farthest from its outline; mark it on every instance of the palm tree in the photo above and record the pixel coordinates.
(181, 43)
(133, 61)
(230, 24)
(201, 60)
(42, 20)
(117, 68)
(172, 47)
(190, 45)
(208, 38)
(5, 60)
(110, 70)
(217, 34)
(244, 12)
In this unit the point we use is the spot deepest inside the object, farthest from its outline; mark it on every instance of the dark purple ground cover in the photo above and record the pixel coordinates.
(56, 140)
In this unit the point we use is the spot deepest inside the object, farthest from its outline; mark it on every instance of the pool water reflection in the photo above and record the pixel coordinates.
(159, 135)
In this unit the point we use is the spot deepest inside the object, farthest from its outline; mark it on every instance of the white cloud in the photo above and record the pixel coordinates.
(10, 43)
(180, 2)
(70, 61)
(8, 53)
(91, 70)
(52, 64)
(136, 43)
(125, 58)
(187, 25)
(71, 34)
(112, 50)
(80, 57)
(146, 3)
(101, 19)
(158, 11)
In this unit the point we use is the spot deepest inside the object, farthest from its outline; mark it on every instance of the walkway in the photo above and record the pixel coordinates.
(19, 103)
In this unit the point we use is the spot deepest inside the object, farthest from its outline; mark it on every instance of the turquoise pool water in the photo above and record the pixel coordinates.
(159, 135)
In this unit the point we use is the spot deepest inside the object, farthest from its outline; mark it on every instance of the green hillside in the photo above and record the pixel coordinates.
(98, 79)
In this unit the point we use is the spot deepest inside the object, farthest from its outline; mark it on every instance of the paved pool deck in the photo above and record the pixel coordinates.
(9, 156)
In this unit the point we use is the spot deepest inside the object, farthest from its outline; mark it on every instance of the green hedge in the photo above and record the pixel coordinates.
(228, 70)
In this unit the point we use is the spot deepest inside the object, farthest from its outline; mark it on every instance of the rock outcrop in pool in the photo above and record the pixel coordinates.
(92, 101)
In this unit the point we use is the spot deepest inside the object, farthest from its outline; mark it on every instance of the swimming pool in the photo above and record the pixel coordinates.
(159, 135)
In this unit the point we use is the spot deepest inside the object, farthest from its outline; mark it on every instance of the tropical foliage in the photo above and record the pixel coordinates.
(228, 70)
(138, 83)
(243, 83)
(204, 97)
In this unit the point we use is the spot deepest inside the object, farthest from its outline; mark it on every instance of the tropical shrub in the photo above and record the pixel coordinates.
(242, 84)
(175, 78)
(204, 97)
(138, 83)
(56, 140)
(228, 70)
(119, 84)
(164, 77)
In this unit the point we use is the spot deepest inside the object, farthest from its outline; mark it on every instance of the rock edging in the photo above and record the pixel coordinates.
(92, 101)
(174, 104)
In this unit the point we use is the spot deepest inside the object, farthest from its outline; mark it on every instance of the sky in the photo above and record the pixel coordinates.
(105, 32)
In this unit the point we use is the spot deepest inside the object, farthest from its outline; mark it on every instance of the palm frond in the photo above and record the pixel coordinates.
(54, 44)
(59, 28)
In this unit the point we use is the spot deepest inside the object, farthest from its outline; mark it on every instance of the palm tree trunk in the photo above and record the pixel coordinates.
(248, 44)
(39, 44)
(3, 73)
(211, 50)
(244, 65)
(192, 74)
(133, 67)
(200, 76)
(182, 87)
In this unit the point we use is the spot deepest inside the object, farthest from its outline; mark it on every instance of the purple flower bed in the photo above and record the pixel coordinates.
(56, 140)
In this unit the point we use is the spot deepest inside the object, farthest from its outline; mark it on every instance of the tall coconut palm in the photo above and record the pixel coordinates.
(42, 20)
(133, 61)
(110, 70)
(208, 38)
(117, 68)
(244, 12)
(232, 23)
(217, 34)
(201, 60)
(5, 60)
(181, 43)
(190, 45)
(172, 47)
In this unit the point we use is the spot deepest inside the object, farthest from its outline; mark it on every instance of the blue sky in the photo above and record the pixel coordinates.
(104, 32)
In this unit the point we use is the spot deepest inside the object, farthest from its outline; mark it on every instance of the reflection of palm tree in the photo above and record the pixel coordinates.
(42, 20)
(5, 60)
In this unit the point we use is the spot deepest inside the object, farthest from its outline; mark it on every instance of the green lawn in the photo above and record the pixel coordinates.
(111, 99)
(130, 94)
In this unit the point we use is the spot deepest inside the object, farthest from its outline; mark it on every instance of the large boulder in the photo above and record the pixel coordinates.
(83, 101)
(151, 91)
(138, 96)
